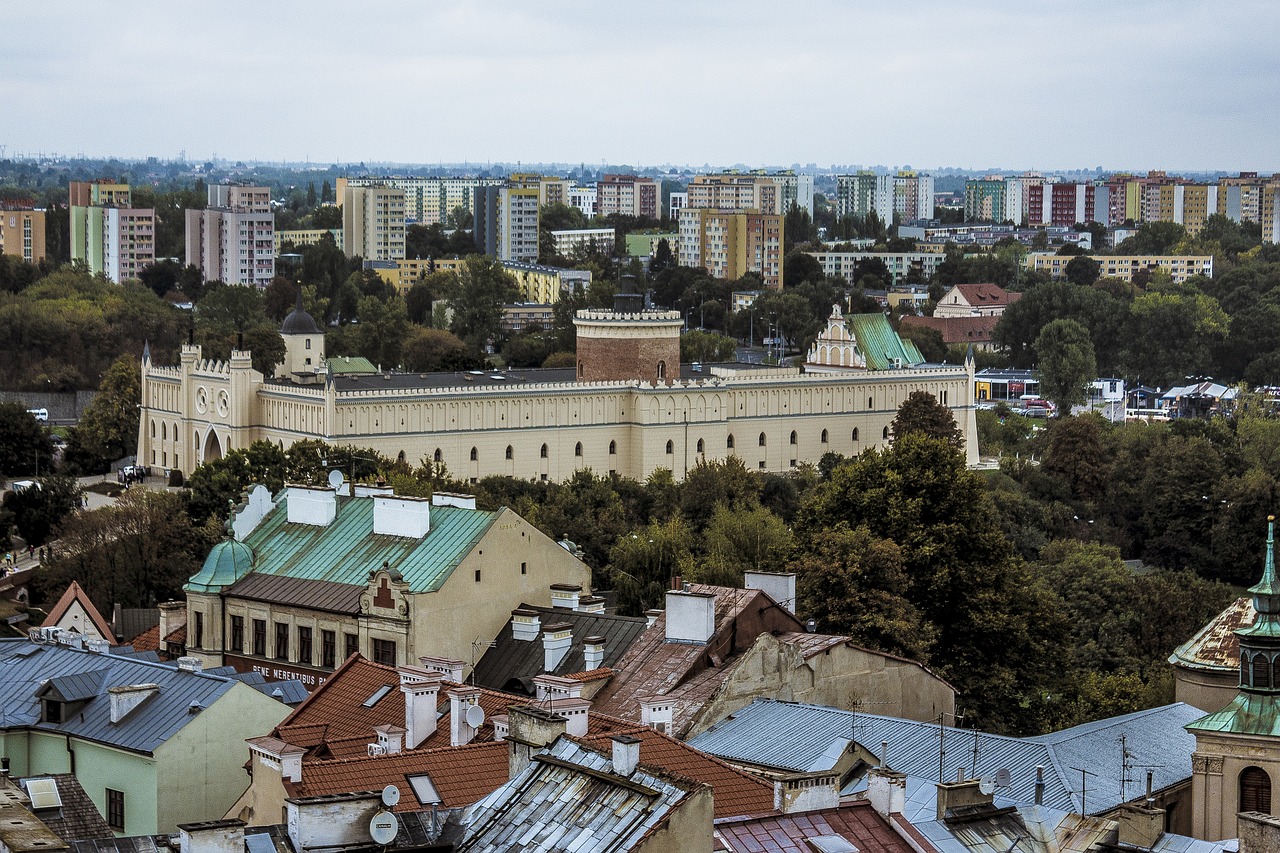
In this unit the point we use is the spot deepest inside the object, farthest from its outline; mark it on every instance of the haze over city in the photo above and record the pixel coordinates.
(1165, 85)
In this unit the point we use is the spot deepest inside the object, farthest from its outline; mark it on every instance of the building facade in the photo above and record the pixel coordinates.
(629, 195)
(575, 240)
(233, 239)
(427, 201)
(863, 193)
(729, 244)
(1125, 267)
(900, 264)
(107, 234)
(734, 192)
(506, 221)
(22, 234)
(373, 222)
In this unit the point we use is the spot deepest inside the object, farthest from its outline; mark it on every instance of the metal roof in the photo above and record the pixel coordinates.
(23, 672)
(1215, 646)
(345, 551)
(801, 737)
(1249, 713)
(880, 343)
(330, 596)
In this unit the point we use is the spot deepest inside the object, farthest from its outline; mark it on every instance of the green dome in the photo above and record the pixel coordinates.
(228, 562)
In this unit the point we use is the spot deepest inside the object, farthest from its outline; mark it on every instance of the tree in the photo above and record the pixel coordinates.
(706, 347)
(1066, 364)
(922, 413)
(798, 267)
(266, 348)
(1172, 334)
(432, 350)
(39, 510)
(928, 340)
(24, 444)
(663, 258)
(1083, 269)
(797, 228)
(641, 565)
(108, 429)
(229, 308)
(1094, 308)
(1077, 455)
(279, 298)
(738, 541)
(476, 296)
(382, 329)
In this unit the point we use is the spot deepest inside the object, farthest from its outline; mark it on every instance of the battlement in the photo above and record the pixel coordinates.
(598, 315)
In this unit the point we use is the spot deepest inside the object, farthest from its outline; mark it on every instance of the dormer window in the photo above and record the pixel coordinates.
(50, 711)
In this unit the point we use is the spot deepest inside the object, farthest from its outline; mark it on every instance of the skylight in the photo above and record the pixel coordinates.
(377, 695)
(44, 794)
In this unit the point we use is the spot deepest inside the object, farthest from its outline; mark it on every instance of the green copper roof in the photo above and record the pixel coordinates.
(228, 562)
(1266, 599)
(1248, 714)
(1268, 585)
(879, 343)
(351, 364)
(348, 549)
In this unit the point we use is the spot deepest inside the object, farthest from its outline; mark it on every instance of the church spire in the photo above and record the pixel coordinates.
(1260, 642)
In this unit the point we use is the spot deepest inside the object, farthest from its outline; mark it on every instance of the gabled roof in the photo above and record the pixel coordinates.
(880, 344)
(985, 295)
(348, 364)
(958, 330)
(857, 823)
(27, 666)
(799, 737)
(569, 798)
(511, 664)
(74, 611)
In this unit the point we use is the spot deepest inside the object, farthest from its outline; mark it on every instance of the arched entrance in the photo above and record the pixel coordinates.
(212, 447)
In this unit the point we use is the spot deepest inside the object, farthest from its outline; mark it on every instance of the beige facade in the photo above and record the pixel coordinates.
(22, 234)
(729, 244)
(1123, 267)
(373, 223)
(734, 192)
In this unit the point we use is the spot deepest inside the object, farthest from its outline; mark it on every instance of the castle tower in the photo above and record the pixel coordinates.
(614, 346)
(303, 347)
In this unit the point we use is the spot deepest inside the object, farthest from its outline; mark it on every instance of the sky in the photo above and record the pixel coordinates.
(1122, 84)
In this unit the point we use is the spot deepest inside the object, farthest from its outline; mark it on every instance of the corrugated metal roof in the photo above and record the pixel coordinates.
(878, 342)
(345, 551)
(300, 592)
(800, 737)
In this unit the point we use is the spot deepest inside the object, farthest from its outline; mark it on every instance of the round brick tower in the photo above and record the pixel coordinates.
(617, 346)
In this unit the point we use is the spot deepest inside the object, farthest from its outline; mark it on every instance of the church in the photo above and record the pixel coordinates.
(628, 406)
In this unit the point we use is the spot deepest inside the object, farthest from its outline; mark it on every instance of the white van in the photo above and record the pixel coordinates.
(42, 415)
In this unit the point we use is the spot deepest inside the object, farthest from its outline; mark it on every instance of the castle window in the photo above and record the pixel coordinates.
(577, 449)
(662, 370)
(855, 433)
(308, 343)
(542, 452)
(871, 402)
(613, 448)
(702, 448)
(581, 369)
(511, 453)
(438, 455)
(763, 440)
(793, 437)
(885, 433)
(729, 442)
(1255, 790)
(153, 429)
(475, 454)
(824, 436)
(1261, 671)
(671, 447)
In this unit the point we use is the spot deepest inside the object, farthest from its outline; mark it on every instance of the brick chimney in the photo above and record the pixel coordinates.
(805, 792)
(887, 791)
(529, 730)
(421, 689)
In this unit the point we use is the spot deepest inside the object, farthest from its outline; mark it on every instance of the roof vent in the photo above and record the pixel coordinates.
(691, 616)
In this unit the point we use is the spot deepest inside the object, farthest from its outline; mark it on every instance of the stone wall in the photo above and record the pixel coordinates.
(62, 405)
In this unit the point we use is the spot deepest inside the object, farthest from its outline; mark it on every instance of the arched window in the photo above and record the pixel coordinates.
(671, 447)
(581, 369)
(662, 370)
(793, 437)
(871, 402)
(884, 433)
(438, 455)
(613, 448)
(511, 454)
(824, 436)
(400, 456)
(164, 429)
(1255, 790)
(577, 449)
(153, 429)
(702, 448)
(855, 433)
(729, 443)
(475, 454)
(542, 452)
(1261, 671)
(763, 440)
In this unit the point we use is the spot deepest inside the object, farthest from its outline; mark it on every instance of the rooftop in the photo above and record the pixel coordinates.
(856, 823)
(1216, 646)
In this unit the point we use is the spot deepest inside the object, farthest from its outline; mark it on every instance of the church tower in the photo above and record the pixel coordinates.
(303, 347)
(1237, 757)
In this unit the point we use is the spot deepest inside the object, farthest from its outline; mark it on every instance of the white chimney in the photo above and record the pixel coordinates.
(127, 697)
(651, 617)
(806, 792)
(367, 491)
(461, 699)
(275, 754)
(887, 790)
(691, 616)
(591, 604)
(98, 646)
(576, 713)
(501, 726)
(657, 714)
(211, 836)
(173, 615)
(626, 754)
(526, 624)
(247, 519)
(421, 689)
(311, 505)
(400, 515)
(190, 664)
(556, 640)
(450, 669)
(555, 687)
(390, 738)
(457, 499)
(593, 653)
(331, 822)
(779, 586)
(565, 595)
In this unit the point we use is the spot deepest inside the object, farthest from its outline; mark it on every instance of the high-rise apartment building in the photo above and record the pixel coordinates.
(863, 193)
(793, 190)
(733, 191)
(912, 196)
(583, 198)
(984, 199)
(373, 222)
(506, 220)
(729, 244)
(22, 233)
(1269, 211)
(427, 201)
(1058, 203)
(233, 239)
(107, 234)
(629, 195)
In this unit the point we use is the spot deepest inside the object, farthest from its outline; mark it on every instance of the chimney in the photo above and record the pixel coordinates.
(421, 689)
(591, 604)
(626, 754)
(576, 713)
(277, 755)
(565, 595)
(98, 646)
(401, 515)
(529, 730)
(556, 640)
(390, 740)
(311, 505)
(461, 700)
(554, 687)
(1139, 826)
(127, 697)
(651, 617)
(526, 624)
(457, 499)
(955, 795)
(450, 669)
(593, 653)
(331, 822)
(779, 586)
(1258, 833)
(173, 615)
(656, 714)
(1040, 785)
(691, 617)
(190, 664)
(211, 836)
(806, 792)
(887, 790)
(501, 726)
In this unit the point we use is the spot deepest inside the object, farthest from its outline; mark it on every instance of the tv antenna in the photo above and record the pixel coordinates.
(1083, 784)
(942, 741)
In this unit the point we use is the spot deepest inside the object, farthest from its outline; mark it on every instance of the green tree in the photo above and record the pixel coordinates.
(712, 483)
(24, 444)
(706, 347)
(922, 413)
(382, 329)
(1083, 270)
(38, 511)
(1076, 454)
(738, 541)
(108, 429)
(642, 564)
(432, 350)
(228, 308)
(476, 296)
(663, 258)
(1170, 335)
(266, 348)
(927, 340)
(1066, 364)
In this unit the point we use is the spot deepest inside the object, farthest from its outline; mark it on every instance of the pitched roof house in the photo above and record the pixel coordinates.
(75, 612)
(974, 300)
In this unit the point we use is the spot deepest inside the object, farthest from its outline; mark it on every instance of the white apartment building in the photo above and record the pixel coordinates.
(427, 201)
(571, 241)
(863, 193)
(583, 198)
(844, 264)
(373, 223)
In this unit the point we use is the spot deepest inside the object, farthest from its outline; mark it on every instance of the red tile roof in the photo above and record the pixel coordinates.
(857, 822)
(957, 330)
(736, 792)
(75, 594)
(147, 641)
(979, 295)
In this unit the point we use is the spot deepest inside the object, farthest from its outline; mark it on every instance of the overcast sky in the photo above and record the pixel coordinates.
(1176, 84)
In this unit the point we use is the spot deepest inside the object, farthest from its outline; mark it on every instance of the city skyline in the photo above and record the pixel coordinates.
(986, 85)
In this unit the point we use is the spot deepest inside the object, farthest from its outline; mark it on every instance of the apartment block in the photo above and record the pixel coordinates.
(900, 264)
(1124, 267)
(233, 239)
(373, 222)
(583, 198)
(1270, 212)
(545, 285)
(676, 203)
(305, 237)
(629, 195)
(107, 234)
(506, 221)
(1058, 203)
(984, 199)
(729, 244)
(912, 196)
(733, 191)
(863, 193)
(576, 240)
(22, 234)
(793, 190)
(427, 201)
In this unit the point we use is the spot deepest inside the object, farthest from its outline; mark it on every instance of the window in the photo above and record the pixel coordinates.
(763, 440)
(308, 343)
(51, 710)
(729, 442)
(613, 448)
(328, 648)
(199, 632)
(581, 369)
(474, 454)
(1255, 790)
(702, 447)
(115, 809)
(577, 449)
(542, 453)
(384, 652)
(477, 576)
(351, 645)
(855, 433)
(824, 436)
(438, 456)
(662, 370)
(793, 437)
(524, 568)
(671, 447)
(260, 637)
(304, 645)
(511, 454)
(871, 402)
(1261, 671)
(237, 633)
(282, 641)
(885, 433)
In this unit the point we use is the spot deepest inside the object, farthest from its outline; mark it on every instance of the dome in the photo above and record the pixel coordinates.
(299, 322)
(228, 562)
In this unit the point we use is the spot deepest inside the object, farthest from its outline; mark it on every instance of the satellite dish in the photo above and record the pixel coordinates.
(1003, 778)
(987, 785)
(383, 828)
(475, 716)
(335, 479)
(390, 796)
